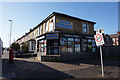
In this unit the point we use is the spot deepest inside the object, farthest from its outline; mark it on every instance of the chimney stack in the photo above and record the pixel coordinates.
(118, 33)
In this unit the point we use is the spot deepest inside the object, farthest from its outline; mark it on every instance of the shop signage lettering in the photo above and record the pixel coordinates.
(51, 36)
(64, 24)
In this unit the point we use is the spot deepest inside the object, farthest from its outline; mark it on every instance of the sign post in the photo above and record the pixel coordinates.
(101, 61)
(99, 42)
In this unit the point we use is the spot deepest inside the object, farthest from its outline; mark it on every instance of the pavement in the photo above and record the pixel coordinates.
(31, 68)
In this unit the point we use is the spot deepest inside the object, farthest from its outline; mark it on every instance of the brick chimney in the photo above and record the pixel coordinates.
(118, 33)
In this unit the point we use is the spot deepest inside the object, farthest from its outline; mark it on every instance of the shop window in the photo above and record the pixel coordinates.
(93, 46)
(93, 43)
(77, 45)
(70, 44)
(42, 47)
(89, 45)
(63, 44)
(56, 44)
(70, 39)
(63, 41)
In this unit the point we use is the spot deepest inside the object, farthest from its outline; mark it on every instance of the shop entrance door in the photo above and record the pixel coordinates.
(52, 47)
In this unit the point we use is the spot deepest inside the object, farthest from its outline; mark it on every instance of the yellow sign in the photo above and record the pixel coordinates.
(64, 24)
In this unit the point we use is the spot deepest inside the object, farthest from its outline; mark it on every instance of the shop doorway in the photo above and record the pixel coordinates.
(53, 47)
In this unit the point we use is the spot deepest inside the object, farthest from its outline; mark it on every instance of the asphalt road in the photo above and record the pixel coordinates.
(31, 68)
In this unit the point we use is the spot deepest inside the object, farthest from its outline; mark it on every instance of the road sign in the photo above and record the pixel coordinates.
(99, 39)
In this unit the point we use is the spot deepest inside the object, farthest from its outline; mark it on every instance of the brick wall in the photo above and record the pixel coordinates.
(66, 57)
(77, 25)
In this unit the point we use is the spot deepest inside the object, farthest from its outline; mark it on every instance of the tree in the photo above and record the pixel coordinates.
(25, 46)
(15, 46)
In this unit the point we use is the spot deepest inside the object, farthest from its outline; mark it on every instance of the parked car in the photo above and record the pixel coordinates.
(18, 54)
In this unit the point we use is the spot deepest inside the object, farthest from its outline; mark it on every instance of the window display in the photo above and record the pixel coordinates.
(89, 45)
(77, 45)
(93, 43)
(56, 51)
(63, 42)
(56, 43)
(42, 47)
(64, 49)
(70, 46)
(70, 39)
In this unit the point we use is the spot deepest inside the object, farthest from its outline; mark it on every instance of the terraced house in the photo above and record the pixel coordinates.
(59, 34)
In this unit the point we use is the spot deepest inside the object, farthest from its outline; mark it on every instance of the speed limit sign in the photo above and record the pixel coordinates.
(99, 39)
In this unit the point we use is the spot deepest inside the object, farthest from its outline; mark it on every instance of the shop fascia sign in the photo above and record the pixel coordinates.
(70, 35)
(52, 36)
(64, 24)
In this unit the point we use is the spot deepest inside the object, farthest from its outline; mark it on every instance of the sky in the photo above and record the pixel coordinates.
(26, 15)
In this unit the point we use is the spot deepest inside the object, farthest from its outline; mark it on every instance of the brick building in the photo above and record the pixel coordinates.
(61, 33)
(115, 38)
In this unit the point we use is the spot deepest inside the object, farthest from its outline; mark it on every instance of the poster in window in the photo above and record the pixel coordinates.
(70, 44)
(70, 49)
(89, 46)
(56, 43)
(56, 51)
(63, 42)
(45, 43)
(63, 49)
(77, 41)
(77, 48)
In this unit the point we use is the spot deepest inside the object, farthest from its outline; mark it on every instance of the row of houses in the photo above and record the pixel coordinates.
(61, 33)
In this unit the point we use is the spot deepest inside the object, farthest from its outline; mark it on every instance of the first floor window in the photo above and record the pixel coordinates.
(85, 27)
(32, 45)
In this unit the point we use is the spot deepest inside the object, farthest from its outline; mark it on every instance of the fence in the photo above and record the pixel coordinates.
(111, 51)
(69, 57)
(55, 54)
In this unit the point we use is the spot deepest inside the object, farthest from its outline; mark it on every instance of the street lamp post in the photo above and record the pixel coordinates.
(10, 31)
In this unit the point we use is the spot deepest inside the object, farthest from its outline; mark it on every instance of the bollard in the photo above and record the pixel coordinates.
(11, 56)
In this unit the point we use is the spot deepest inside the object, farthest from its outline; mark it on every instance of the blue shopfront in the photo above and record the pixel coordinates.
(56, 43)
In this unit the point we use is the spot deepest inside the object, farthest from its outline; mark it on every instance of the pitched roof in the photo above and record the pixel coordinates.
(51, 15)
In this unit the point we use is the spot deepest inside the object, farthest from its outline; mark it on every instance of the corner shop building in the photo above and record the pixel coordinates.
(64, 34)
